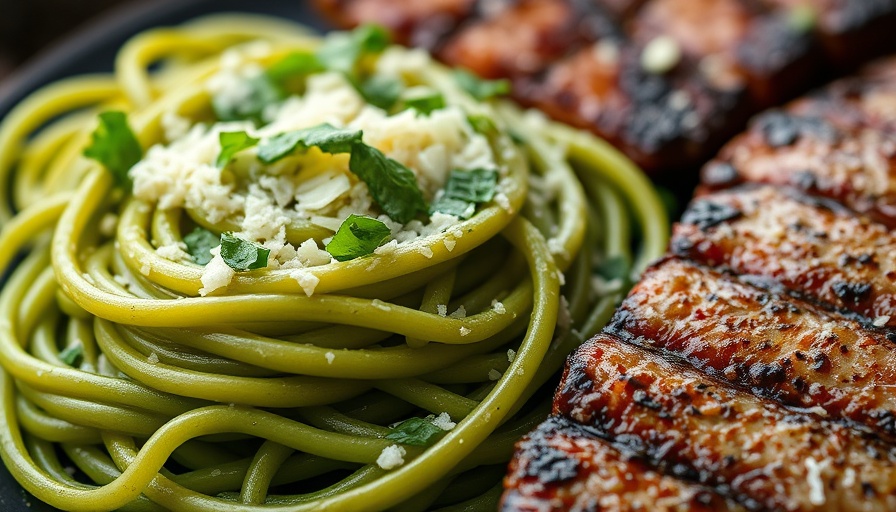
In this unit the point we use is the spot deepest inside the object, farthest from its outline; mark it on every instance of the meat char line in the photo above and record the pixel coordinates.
(754, 366)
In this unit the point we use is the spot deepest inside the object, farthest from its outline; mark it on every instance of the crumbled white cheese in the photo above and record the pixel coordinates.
(881, 320)
(494, 374)
(391, 457)
(511, 355)
(442, 310)
(464, 331)
(816, 484)
(449, 244)
(175, 251)
(498, 307)
(660, 55)
(382, 306)
(152, 358)
(174, 126)
(330, 357)
(443, 421)
(460, 312)
(108, 224)
(306, 280)
(216, 274)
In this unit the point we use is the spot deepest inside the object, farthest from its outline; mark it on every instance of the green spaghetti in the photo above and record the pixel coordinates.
(285, 273)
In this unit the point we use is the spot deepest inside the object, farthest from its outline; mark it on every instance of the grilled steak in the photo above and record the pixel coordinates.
(566, 466)
(816, 249)
(773, 344)
(666, 81)
(690, 426)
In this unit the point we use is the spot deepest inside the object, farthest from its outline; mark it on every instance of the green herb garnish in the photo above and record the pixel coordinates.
(231, 144)
(114, 145)
(464, 190)
(381, 91)
(72, 355)
(615, 267)
(326, 137)
(416, 432)
(357, 236)
(425, 105)
(242, 254)
(199, 243)
(293, 65)
(392, 185)
(483, 125)
(479, 88)
(342, 51)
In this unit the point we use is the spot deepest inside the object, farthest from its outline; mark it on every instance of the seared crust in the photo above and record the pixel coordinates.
(695, 428)
(838, 143)
(565, 466)
(773, 344)
(815, 249)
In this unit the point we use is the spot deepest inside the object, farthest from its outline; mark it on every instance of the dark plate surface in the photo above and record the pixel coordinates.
(92, 50)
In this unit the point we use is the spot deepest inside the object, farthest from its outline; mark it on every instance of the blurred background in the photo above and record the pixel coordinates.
(29, 26)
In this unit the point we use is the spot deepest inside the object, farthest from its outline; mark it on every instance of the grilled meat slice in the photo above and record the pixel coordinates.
(661, 121)
(776, 345)
(734, 44)
(692, 427)
(816, 249)
(414, 23)
(523, 37)
(565, 466)
(851, 31)
(839, 143)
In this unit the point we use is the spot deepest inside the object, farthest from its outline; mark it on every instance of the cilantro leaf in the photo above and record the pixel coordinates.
(616, 267)
(231, 144)
(342, 51)
(114, 145)
(260, 91)
(475, 185)
(483, 125)
(72, 355)
(392, 185)
(326, 137)
(479, 88)
(381, 91)
(357, 236)
(199, 242)
(416, 432)
(464, 189)
(425, 105)
(293, 65)
(242, 254)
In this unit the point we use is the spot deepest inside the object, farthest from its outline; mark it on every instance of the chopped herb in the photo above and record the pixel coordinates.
(199, 243)
(416, 432)
(615, 267)
(392, 185)
(465, 189)
(479, 88)
(115, 146)
(242, 254)
(231, 144)
(260, 92)
(72, 355)
(483, 125)
(357, 236)
(381, 91)
(450, 206)
(326, 137)
(475, 185)
(342, 51)
(425, 105)
(802, 18)
(295, 64)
